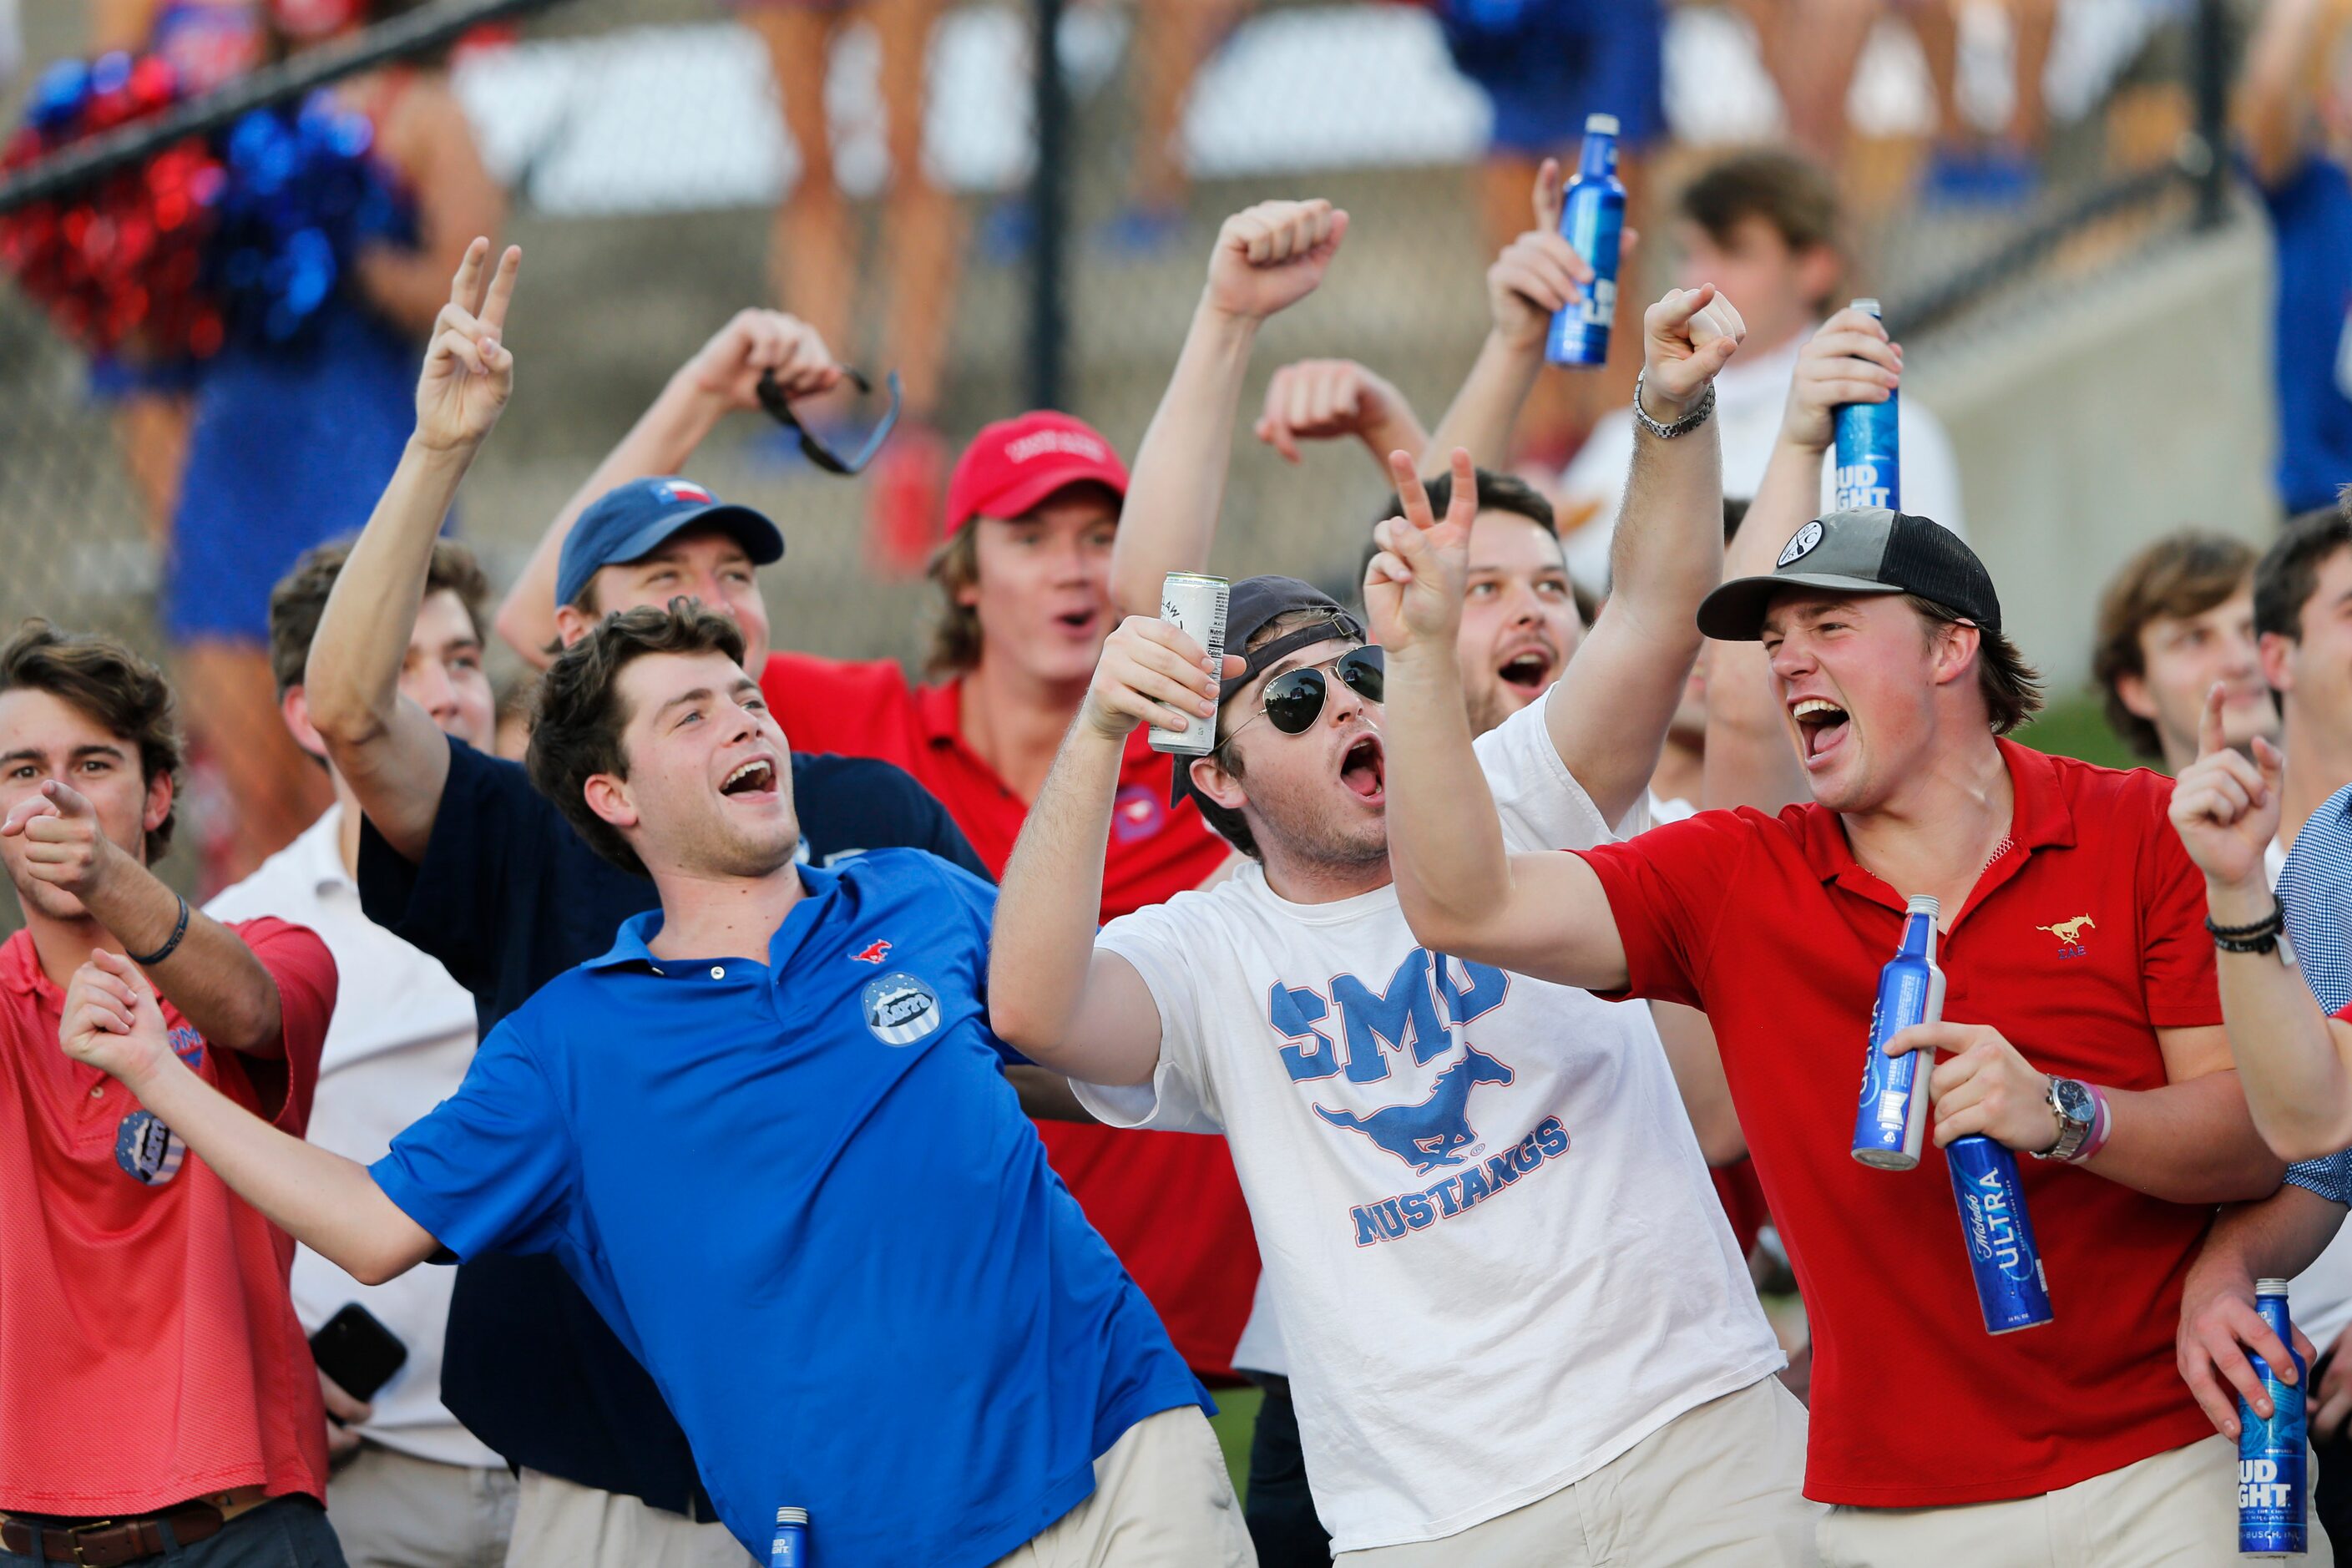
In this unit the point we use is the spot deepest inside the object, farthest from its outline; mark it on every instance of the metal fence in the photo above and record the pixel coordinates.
(645, 158)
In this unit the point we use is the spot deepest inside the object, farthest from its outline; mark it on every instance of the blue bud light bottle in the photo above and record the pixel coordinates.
(2011, 1290)
(1869, 454)
(790, 1549)
(1892, 1121)
(1592, 220)
(2272, 1497)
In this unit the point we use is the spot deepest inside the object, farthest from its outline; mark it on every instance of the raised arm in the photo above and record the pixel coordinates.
(1268, 258)
(1749, 758)
(1325, 399)
(1534, 277)
(1052, 996)
(1543, 915)
(212, 977)
(2294, 1063)
(722, 377)
(388, 748)
(2287, 62)
(1609, 710)
(328, 1203)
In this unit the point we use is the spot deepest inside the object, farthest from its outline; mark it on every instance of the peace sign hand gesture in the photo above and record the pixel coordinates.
(468, 372)
(1413, 588)
(2225, 806)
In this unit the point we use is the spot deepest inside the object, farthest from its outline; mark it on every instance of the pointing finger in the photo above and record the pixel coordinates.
(2210, 737)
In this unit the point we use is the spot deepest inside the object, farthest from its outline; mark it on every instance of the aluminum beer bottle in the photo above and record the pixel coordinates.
(1869, 459)
(2011, 1290)
(1592, 220)
(790, 1549)
(1892, 1121)
(2273, 1496)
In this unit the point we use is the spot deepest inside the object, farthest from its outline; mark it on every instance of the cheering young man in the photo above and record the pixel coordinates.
(155, 1392)
(1565, 1341)
(2083, 1023)
(462, 857)
(768, 1134)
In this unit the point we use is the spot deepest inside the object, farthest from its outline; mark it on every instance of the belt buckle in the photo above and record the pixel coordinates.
(76, 1532)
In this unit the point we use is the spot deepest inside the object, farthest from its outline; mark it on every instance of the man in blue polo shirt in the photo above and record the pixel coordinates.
(768, 1134)
(462, 858)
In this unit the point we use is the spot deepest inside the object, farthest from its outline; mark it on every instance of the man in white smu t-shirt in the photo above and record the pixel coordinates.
(1516, 1321)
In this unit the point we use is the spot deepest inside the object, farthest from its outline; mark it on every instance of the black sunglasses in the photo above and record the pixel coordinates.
(779, 408)
(1294, 699)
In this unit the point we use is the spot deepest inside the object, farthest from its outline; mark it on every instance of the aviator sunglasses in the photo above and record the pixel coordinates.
(1294, 699)
(780, 409)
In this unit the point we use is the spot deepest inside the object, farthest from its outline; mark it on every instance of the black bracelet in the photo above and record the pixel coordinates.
(144, 960)
(2260, 936)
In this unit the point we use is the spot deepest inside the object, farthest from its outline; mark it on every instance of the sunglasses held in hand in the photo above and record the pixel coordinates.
(779, 408)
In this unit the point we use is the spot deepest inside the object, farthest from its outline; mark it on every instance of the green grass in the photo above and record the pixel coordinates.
(2073, 726)
(1236, 1417)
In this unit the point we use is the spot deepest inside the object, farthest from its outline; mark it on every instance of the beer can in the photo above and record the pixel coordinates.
(2274, 1491)
(1891, 1123)
(1194, 604)
(1869, 459)
(2011, 1290)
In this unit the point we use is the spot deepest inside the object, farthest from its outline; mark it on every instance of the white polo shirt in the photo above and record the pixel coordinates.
(401, 1038)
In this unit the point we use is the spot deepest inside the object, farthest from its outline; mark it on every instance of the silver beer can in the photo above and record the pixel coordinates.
(1194, 602)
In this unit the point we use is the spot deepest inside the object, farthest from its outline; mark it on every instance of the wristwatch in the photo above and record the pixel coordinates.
(2078, 1113)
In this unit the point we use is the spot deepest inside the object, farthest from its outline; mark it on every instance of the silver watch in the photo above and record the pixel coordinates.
(1682, 427)
(2078, 1111)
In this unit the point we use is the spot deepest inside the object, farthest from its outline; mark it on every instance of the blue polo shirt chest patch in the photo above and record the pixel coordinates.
(900, 1008)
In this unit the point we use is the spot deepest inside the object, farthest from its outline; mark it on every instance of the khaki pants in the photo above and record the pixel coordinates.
(1162, 1499)
(1717, 1484)
(392, 1510)
(2174, 1510)
(560, 1524)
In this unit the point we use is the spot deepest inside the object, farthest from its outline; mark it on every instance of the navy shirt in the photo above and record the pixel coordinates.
(804, 1195)
(2311, 215)
(508, 897)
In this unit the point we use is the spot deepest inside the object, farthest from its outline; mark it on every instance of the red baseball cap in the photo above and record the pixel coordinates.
(1013, 463)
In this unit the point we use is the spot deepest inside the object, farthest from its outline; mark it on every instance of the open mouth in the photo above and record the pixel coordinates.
(1364, 769)
(755, 777)
(1823, 724)
(1529, 672)
(1079, 622)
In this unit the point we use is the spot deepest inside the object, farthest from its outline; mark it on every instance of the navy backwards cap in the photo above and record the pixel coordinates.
(631, 522)
(1867, 551)
(1251, 603)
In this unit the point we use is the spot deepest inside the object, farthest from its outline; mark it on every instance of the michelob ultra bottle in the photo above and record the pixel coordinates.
(2011, 1290)
(1869, 454)
(2273, 1497)
(1592, 220)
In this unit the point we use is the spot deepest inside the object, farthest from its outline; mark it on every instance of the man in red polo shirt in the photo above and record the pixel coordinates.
(2085, 1031)
(156, 1390)
(1025, 575)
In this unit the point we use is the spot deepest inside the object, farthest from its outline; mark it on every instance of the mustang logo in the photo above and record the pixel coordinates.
(1431, 1134)
(2070, 935)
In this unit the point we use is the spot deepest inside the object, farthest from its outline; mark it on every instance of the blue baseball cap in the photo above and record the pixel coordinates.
(630, 522)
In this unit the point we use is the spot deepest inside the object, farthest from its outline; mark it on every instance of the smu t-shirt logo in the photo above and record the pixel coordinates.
(900, 1008)
(186, 1044)
(1434, 1131)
